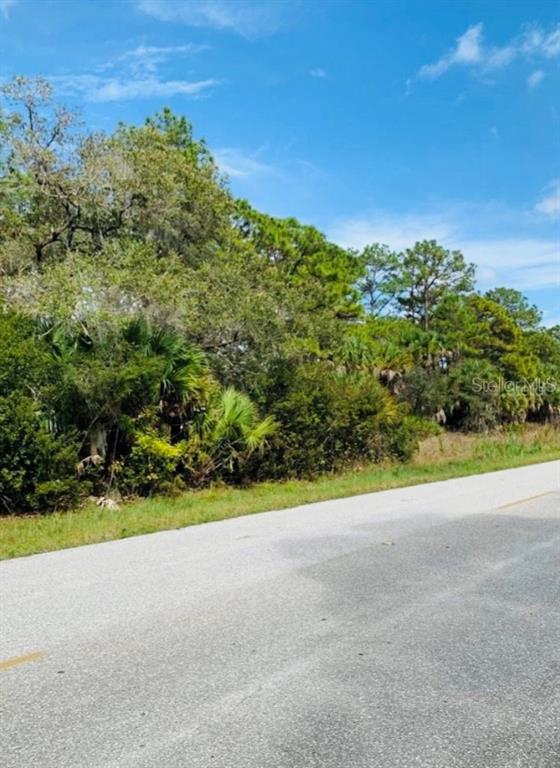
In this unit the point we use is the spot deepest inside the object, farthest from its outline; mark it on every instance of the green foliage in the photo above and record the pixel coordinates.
(306, 259)
(26, 362)
(426, 389)
(526, 315)
(474, 395)
(402, 438)
(156, 333)
(231, 432)
(328, 420)
(233, 422)
(381, 283)
(217, 445)
(65, 190)
(427, 274)
(152, 466)
(37, 468)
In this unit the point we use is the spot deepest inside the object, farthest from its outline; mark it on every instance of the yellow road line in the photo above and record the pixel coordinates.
(522, 501)
(17, 660)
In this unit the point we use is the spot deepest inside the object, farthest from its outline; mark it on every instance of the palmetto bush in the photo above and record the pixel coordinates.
(234, 431)
(128, 405)
(219, 442)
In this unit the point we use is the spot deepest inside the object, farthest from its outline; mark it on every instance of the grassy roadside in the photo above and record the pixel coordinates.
(438, 459)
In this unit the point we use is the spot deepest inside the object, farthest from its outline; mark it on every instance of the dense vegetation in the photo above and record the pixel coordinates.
(157, 334)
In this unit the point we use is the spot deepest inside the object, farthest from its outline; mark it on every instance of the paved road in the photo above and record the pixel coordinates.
(414, 627)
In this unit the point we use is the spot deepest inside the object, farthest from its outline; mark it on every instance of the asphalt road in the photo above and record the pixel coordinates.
(413, 627)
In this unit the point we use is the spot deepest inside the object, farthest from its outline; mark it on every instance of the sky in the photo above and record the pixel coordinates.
(376, 121)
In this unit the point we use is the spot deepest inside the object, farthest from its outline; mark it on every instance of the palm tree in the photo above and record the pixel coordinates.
(185, 381)
(230, 433)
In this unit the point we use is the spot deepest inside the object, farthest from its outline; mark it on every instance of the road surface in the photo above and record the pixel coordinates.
(413, 627)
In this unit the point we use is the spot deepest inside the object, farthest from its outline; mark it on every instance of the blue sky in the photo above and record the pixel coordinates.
(376, 121)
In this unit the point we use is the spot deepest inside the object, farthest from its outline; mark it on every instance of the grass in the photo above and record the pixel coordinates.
(439, 458)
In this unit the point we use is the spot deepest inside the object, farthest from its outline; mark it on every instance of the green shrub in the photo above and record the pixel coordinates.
(514, 406)
(401, 439)
(228, 436)
(37, 468)
(329, 419)
(28, 366)
(426, 390)
(152, 466)
(474, 400)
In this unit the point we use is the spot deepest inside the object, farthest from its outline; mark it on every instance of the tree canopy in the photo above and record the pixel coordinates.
(158, 333)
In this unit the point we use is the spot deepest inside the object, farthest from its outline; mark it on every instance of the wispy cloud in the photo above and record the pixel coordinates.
(549, 205)
(535, 78)
(148, 58)
(5, 6)
(524, 262)
(250, 18)
(240, 164)
(135, 74)
(397, 231)
(318, 72)
(470, 50)
(271, 177)
(99, 89)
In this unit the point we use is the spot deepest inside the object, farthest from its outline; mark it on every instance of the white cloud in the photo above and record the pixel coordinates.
(396, 231)
(318, 72)
(535, 40)
(549, 205)
(5, 6)
(249, 18)
(271, 178)
(523, 262)
(535, 78)
(148, 58)
(239, 164)
(101, 89)
(467, 51)
(471, 51)
(135, 75)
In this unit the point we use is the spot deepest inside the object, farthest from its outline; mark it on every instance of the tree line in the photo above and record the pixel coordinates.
(156, 333)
